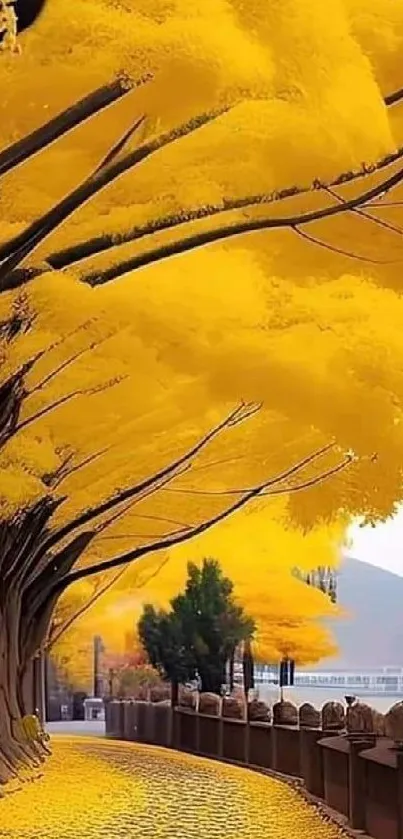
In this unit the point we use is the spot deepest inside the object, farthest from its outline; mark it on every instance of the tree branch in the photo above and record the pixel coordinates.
(242, 413)
(39, 574)
(288, 473)
(393, 98)
(55, 637)
(76, 467)
(61, 630)
(63, 400)
(37, 601)
(161, 519)
(141, 496)
(42, 558)
(13, 252)
(168, 542)
(118, 147)
(340, 251)
(312, 481)
(82, 250)
(196, 240)
(84, 109)
(64, 365)
(387, 225)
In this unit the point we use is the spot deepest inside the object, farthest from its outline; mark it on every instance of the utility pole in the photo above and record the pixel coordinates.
(98, 650)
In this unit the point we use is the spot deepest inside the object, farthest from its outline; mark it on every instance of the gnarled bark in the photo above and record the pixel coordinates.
(19, 751)
(15, 754)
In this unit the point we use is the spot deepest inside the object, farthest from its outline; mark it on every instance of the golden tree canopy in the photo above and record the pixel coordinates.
(305, 319)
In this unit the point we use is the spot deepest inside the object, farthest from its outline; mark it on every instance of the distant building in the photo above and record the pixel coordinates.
(382, 680)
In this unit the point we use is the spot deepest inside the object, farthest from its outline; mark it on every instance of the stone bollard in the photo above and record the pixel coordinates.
(285, 713)
(308, 716)
(233, 708)
(187, 698)
(361, 719)
(259, 711)
(333, 717)
(209, 703)
(160, 693)
(394, 724)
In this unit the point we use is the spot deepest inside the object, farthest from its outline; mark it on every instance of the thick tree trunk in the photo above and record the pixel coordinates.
(212, 677)
(10, 757)
(14, 754)
(26, 601)
(18, 754)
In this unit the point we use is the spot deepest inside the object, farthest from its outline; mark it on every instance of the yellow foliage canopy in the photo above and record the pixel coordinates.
(285, 610)
(138, 369)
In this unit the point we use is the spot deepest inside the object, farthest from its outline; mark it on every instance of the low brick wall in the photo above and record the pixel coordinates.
(384, 784)
(360, 776)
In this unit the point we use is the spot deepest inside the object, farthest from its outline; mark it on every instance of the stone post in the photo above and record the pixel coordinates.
(399, 762)
(197, 731)
(356, 778)
(312, 760)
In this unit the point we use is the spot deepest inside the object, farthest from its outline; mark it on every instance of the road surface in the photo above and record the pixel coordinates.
(95, 788)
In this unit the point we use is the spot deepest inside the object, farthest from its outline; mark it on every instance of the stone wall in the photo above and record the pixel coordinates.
(350, 759)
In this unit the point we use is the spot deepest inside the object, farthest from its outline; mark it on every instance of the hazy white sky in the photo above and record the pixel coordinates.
(382, 545)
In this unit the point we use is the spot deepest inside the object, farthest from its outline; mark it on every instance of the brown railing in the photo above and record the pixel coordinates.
(358, 773)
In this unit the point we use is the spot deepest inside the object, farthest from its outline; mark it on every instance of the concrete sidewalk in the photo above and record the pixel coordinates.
(90, 728)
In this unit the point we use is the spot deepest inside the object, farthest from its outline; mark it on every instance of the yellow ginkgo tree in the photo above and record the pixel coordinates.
(199, 274)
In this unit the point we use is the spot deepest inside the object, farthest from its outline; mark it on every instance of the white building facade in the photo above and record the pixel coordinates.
(385, 680)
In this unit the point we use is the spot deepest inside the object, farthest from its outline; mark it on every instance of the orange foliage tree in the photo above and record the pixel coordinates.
(83, 611)
(115, 396)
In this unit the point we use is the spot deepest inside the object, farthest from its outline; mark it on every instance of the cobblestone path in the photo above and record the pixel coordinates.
(102, 789)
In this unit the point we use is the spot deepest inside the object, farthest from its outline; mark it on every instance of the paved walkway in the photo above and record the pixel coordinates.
(88, 728)
(103, 789)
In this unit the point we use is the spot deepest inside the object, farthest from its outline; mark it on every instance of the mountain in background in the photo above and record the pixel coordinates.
(372, 634)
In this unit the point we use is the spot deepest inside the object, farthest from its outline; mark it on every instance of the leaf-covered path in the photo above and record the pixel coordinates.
(99, 789)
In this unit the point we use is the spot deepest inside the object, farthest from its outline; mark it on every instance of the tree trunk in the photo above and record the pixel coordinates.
(174, 693)
(248, 668)
(17, 754)
(10, 756)
(231, 670)
(212, 679)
